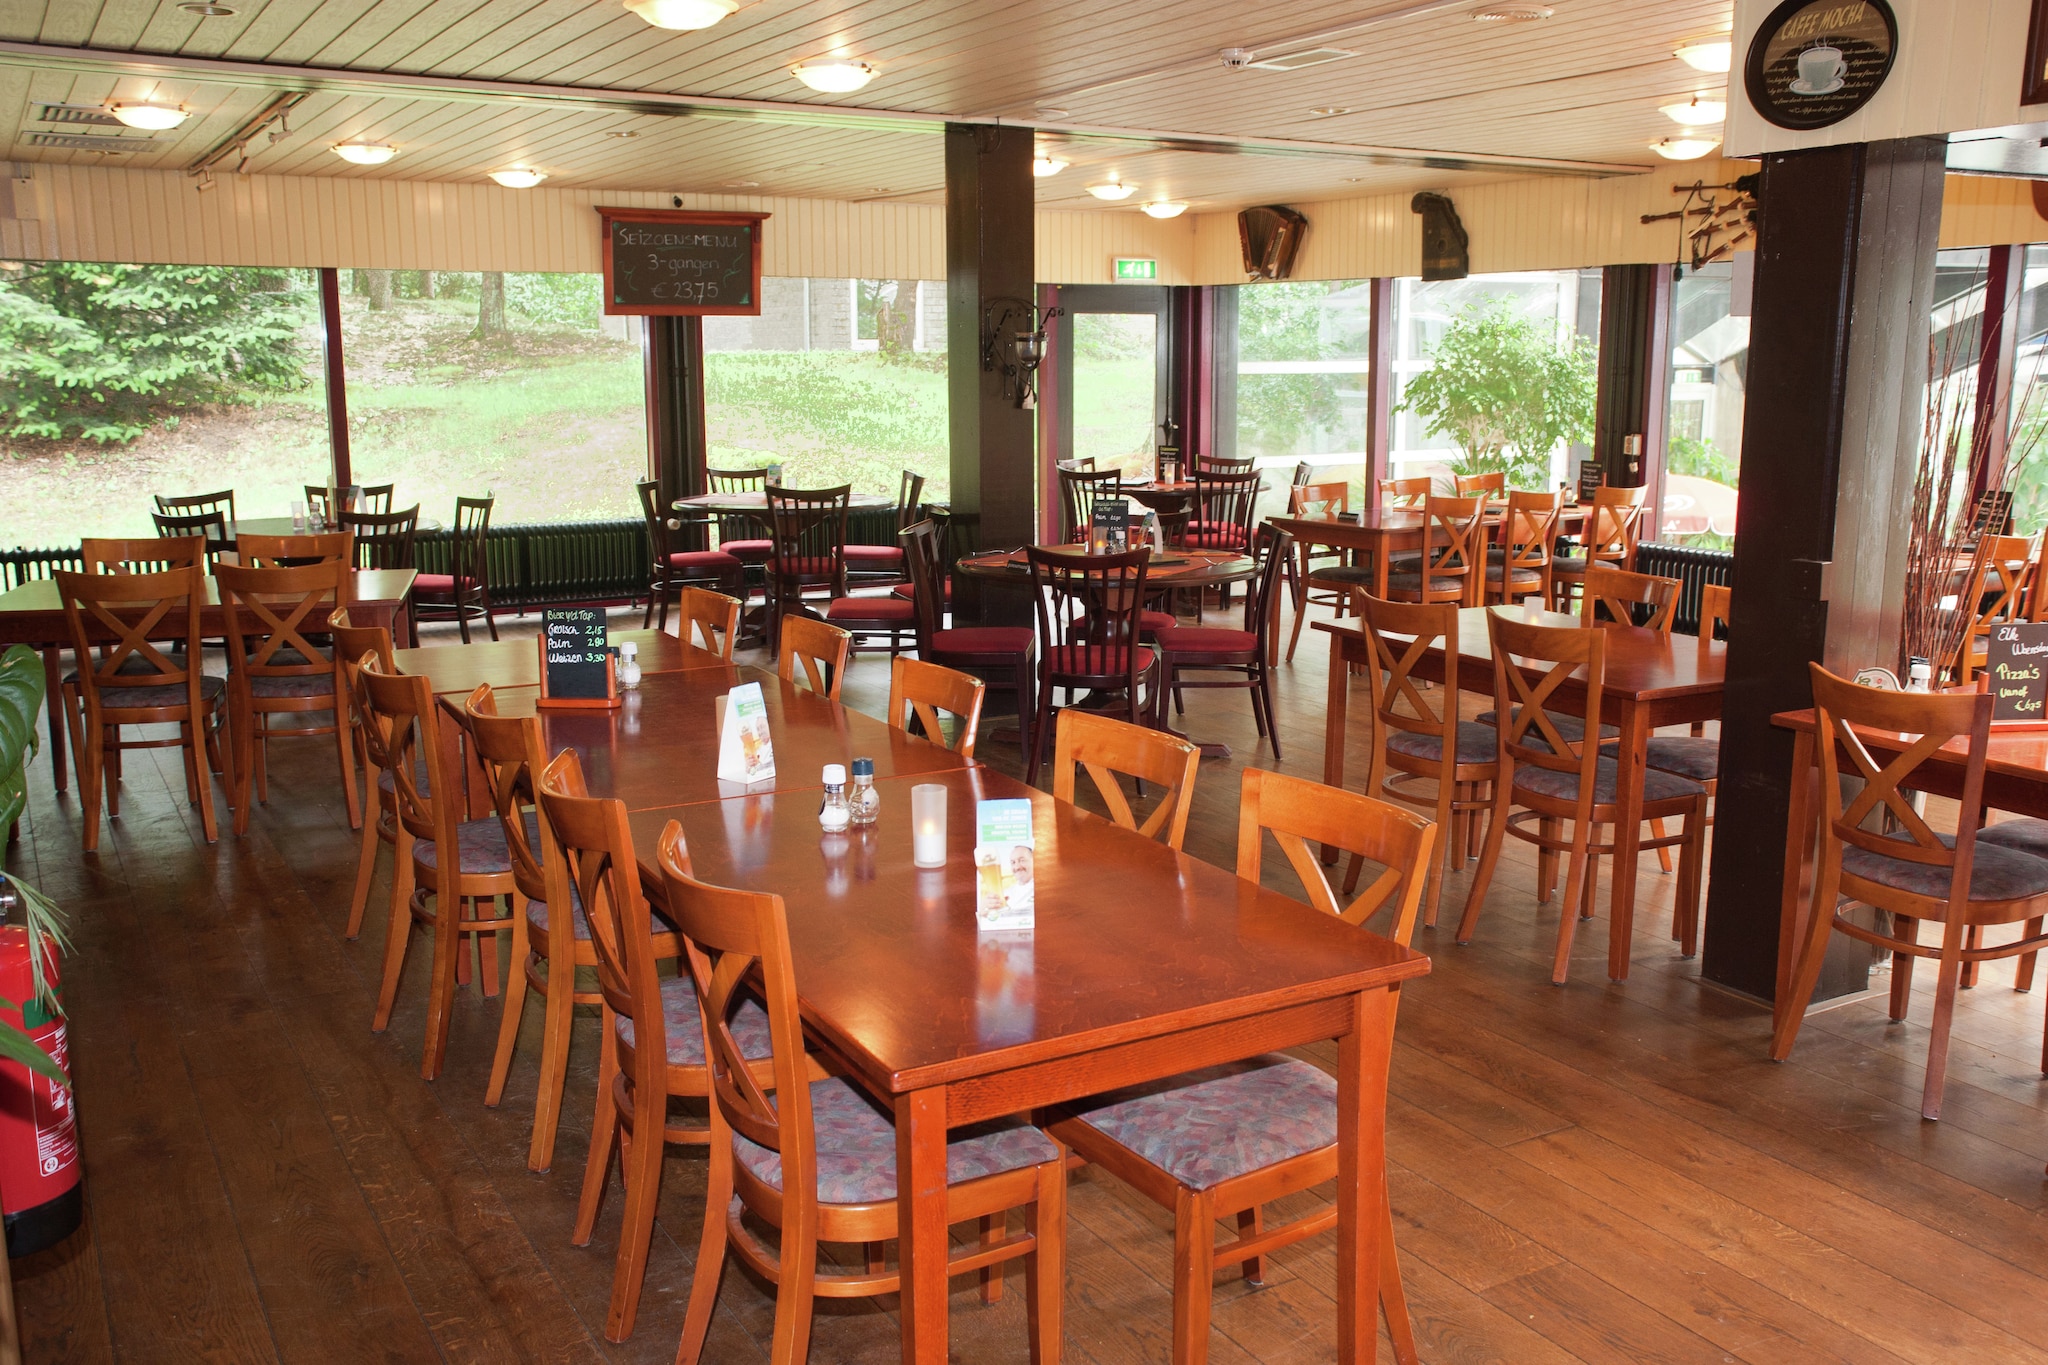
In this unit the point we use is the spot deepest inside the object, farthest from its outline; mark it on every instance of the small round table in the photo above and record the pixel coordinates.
(282, 526)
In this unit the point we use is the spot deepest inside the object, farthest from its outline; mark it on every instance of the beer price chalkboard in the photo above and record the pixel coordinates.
(681, 263)
(576, 659)
(2016, 664)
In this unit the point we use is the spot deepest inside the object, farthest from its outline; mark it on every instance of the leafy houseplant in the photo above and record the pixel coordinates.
(1505, 394)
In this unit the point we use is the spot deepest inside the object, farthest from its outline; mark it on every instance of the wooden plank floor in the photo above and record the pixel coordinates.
(1608, 1173)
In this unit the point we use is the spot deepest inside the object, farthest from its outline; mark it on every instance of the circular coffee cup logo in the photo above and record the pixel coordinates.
(1815, 62)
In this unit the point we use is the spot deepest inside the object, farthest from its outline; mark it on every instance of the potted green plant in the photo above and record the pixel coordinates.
(1505, 393)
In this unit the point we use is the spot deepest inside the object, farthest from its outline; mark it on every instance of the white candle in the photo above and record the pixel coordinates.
(928, 824)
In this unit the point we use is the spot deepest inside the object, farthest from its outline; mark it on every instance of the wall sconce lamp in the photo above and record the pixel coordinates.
(1013, 344)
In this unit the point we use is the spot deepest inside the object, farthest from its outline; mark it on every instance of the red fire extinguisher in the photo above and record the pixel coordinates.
(39, 1170)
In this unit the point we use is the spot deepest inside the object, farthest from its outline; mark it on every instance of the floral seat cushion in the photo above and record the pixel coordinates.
(1476, 743)
(1997, 872)
(1213, 1125)
(683, 1032)
(293, 685)
(1563, 786)
(2025, 834)
(480, 844)
(388, 784)
(1573, 728)
(1698, 759)
(144, 698)
(857, 1148)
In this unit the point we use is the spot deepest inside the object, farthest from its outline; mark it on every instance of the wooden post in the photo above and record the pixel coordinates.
(1379, 385)
(676, 449)
(1634, 377)
(337, 379)
(1997, 346)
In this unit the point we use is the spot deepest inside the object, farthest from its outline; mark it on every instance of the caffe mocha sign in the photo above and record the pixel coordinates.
(1813, 63)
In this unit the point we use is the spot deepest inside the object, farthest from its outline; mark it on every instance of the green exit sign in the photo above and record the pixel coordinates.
(1136, 268)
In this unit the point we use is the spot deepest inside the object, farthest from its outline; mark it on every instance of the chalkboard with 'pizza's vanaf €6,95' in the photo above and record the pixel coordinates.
(2016, 667)
(681, 263)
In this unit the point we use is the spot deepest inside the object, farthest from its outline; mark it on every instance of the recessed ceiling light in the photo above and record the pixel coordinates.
(1512, 14)
(1161, 208)
(1706, 54)
(741, 185)
(518, 177)
(155, 117)
(1684, 148)
(364, 153)
(1355, 179)
(1047, 165)
(683, 14)
(833, 76)
(620, 132)
(1112, 189)
(1048, 111)
(1330, 110)
(1696, 114)
(205, 9)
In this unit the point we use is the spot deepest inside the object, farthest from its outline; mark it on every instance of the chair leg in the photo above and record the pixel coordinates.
(1448, 817)
(1194, 1273)
(1946, 985)
(1250, 1223)
(1692, 853)
(1045, 1265)
(641, 1167)
(1574, 889)
(516, 989)
(1663, 854)
(793, 1294)
(241, 743)
(441, 981)
(1489, 857)
(366, 862)
(1393, 1294)
(604, 1140)
(1546, 861)
(399, 934)
(1908, 930)
(1972, 939)
(2023, 977)
(994, 1227)
(1826, 890)
(559, 1006)
(710, 1249)
(1043, 726)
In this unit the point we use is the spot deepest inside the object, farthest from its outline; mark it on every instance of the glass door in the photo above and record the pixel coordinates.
(1111, 356)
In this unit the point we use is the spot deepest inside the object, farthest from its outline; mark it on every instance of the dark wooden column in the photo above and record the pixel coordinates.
(1190, 399)
(1379, 386)
(336, 373)
(1997, 343)
(1634, 374)
(676, 449)
(989, 255)
(1223, 300)
(1837, 360)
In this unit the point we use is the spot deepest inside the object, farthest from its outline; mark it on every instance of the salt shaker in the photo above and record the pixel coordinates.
(833, 813)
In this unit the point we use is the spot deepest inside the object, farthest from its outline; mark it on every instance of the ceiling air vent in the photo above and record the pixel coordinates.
(83, 142)
(1295, 61)
(75, 113)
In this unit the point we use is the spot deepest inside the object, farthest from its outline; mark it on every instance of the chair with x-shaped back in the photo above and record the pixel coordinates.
(1110, 748)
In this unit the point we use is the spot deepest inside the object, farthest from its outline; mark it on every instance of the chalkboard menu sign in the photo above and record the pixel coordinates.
(2016, 663)
(1592, 477)
(681, 263)
(1109, 526)
(575, 658)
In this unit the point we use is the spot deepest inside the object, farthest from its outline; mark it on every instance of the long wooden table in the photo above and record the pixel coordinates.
(1379, 532)
(516, 663)
(1652, 681)
(33, 614)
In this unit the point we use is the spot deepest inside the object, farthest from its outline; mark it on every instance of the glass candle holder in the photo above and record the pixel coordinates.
(928, 824)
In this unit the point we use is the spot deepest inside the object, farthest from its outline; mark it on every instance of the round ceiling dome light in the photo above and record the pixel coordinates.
(1698, 113)
(1684, 148)
(1512, 14)
(682, 14)
(1165, 208)
(518, 177)
(833, 75)
(364, 153)
(1047, 165)
(206, 9)
(1706, 54)
(147, 115)
(1112, 190)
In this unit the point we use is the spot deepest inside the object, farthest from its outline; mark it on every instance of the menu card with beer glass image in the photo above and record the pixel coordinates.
(1003, 865)
(745, 754)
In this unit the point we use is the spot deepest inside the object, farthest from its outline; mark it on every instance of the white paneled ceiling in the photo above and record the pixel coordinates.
(1428, 97)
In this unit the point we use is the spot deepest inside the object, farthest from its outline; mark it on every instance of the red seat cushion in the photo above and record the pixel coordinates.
(893, 609)
(1226, 538)
(1186, 642)
(705, 562)
(983, 640)
(438, 585)
(809, 565)
(1094, 661)
(874, 556)
(748, 549)
(908, 591)
(1149, 622)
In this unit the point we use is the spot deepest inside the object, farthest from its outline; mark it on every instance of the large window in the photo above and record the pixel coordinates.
(1302, 391)
(2029, 441)
(516, 385)
(1709, 373)
(118, 382)
(838, 381)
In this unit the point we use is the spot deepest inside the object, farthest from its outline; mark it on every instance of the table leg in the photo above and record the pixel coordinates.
(1333, 724)
(1795, 908)
(1363, 1056)
(1628, 833)
(53, 703)
(921, 1223)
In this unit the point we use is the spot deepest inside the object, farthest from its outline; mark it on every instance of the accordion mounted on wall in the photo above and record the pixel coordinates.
(1271, 238)
(1446, 250)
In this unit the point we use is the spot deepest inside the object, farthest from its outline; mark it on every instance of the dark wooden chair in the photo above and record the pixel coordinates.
(198, 504)
(210, 526)
(1108, 749)
(1418, 736)
(673, 569)
(1454, 534)
(1519, 565)
(740, 533)
(463, 595)
(820, 648)
(1228, 1139)
(883, 564)
(1961, 883)
(809, 558)
(384, 540)
(275, 669)
(1010, 652)
(777, 1159)
(1242, 654)
(373, 498)
(1089, 610)
(1225, 465)
(1225, 506)
(1558, 779)
(926, 692)
(651, 1036)
(129, 680)
(1609, 537)
(1080, 489)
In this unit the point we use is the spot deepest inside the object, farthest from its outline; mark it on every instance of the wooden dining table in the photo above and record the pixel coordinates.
(1379, 532)
(33, 615)
(1652, 680)
(1176, 569)
(516, 663)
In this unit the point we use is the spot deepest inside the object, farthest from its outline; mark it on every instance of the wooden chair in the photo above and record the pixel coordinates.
(1556, 778)
(1010, 652)
(1089, 610)
(1417, 733)
(1079, 489)
(1609, 538)
(1992, 594)
(1228, 1139)
(875, 623)
(823, 650)
(1492, 487)
(1226, 506)
(1242, 654)
(884, 564)
(275, 669)
(141, 554)
(1109, 748)
(921, 691)
(1404, 492)
(809, 558)
(776, 1159)
(211, 526)
(1337, 576)
(1613, 595)
(711, 617)
(464, 594)
(451, 872)
(374, 498)
(739, 533)
(293, 552)
(1961, 883)
(1519, 566)
(1454, 536)
(128, 680)
(384, 540)
(380, 801)
(1222, 464)
(674, 570)
(1714, 612)
(198, 504)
